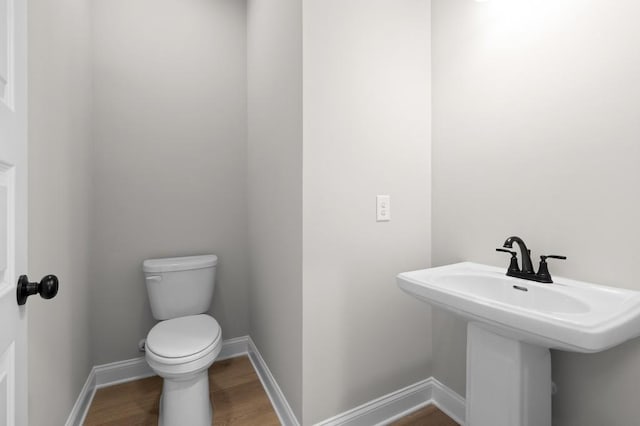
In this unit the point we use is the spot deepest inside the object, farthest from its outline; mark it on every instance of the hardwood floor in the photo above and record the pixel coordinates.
(236, 392)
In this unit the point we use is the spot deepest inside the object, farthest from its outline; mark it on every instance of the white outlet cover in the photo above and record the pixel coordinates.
(383, 208)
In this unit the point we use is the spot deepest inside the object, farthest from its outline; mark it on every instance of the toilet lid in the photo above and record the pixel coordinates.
(184, 336)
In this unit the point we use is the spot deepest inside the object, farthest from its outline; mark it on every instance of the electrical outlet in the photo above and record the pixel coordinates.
(383, 208)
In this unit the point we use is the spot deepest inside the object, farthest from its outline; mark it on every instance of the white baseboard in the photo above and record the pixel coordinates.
(232, 348)
(449, 401)
(133, 369)
(278, 400)
(400, 403)
(81, 407)
(121, 372)
(378, 412)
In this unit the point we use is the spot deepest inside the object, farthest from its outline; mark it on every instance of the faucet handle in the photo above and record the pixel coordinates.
(513, 266)
(543, 274)
(552, 256)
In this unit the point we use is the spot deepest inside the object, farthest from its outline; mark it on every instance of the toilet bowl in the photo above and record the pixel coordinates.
(186, 341)
(181, 351)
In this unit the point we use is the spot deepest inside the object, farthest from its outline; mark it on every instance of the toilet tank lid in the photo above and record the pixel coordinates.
(172, 264)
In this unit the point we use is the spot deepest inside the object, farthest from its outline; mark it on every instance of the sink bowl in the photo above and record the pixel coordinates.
(512, 325)
(568, 315)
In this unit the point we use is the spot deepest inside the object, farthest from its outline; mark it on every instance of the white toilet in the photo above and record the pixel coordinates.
(186, 341)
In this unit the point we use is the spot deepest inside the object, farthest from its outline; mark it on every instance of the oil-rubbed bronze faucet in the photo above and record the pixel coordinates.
(527, 272)
(527, 267)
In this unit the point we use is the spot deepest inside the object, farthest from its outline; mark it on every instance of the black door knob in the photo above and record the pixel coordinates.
(47, 287)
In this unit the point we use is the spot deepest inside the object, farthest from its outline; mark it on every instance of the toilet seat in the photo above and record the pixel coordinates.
(183, 345)
(183, 337)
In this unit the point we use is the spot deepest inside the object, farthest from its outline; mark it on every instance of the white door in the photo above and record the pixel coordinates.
(13, 210)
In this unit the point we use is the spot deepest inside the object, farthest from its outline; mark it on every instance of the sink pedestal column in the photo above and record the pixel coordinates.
(508, 382)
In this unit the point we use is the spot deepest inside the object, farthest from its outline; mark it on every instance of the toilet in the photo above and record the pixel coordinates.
(186, 341)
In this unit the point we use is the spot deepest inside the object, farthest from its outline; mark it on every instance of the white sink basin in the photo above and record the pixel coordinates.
(568, 315)
(512, 324)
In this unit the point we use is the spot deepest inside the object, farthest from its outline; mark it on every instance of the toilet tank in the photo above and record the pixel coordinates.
(180, 286)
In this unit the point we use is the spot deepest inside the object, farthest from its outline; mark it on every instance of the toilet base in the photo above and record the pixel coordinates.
(186, 402)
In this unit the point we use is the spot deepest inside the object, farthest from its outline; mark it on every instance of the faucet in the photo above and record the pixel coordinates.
(527, 272)
(527, 267)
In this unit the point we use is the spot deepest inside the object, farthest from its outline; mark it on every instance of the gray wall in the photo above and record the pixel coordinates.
(59, 193)
(366, 132)
(274, 52)
(169, 165)
(535, 133)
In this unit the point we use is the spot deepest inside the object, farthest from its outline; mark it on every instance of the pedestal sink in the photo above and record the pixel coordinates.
(512, 325)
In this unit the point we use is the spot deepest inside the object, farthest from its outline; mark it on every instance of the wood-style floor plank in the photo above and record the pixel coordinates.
(236, 393)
